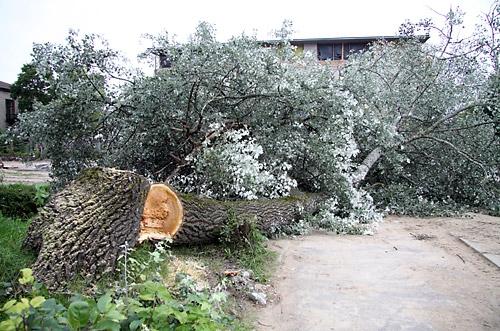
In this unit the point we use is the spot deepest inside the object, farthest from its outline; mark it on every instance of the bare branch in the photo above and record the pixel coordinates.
(467, 156)
(468, 127)
(436, 124)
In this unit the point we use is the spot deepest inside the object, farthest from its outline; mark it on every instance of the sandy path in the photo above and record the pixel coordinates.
(390, 281)
(26, 173)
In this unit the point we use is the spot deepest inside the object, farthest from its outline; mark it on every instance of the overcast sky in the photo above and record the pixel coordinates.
(123, 22)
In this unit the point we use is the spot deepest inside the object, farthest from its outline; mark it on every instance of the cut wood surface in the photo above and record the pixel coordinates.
(163, 214)
(84, 228)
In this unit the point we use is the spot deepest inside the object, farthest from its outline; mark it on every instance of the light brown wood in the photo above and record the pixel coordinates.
(163, 214)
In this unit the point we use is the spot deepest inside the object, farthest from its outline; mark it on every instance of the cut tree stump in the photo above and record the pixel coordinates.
(84, 228)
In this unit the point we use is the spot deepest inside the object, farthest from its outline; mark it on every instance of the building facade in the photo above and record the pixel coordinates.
(338, 50)
(8, 107)
(334, 50)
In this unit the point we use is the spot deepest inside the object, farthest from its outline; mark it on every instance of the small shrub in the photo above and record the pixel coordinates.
(21, 200)
(404, 200)
(149, 305)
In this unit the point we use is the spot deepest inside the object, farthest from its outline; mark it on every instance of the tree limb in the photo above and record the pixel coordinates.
(467, 156)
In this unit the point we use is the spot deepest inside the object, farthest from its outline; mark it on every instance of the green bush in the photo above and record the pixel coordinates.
(146, 305)
(10, 145)
(20, 200)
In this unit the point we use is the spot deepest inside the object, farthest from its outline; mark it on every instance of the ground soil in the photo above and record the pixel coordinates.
(413, 274)
(25, 172)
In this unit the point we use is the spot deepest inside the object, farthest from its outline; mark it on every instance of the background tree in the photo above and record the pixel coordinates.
(31, 87)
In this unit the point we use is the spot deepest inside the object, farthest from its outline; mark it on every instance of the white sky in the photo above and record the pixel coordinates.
(122, 23)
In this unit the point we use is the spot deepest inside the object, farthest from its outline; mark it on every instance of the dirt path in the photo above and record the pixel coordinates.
(390, 281)
(26, 173)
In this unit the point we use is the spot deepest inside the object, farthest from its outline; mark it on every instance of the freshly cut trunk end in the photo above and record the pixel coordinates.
(163, 214)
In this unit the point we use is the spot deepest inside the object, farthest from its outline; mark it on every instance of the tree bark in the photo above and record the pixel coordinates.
(84, 226)
(366, 165)
(205, 219)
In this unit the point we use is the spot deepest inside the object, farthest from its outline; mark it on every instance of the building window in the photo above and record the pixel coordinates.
(165, 61)
(350, 48)
(10, 111)
(337, 52)
(325, 52)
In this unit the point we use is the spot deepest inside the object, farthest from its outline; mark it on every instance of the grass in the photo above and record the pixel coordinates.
(254, 255)
(12, 256)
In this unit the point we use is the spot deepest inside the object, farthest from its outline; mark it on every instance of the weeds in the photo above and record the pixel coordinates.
(12, 257)
(138, 305)
(247, 245)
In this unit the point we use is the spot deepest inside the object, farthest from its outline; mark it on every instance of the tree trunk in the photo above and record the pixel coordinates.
(84, 226)
(205, 219)
(366, 165)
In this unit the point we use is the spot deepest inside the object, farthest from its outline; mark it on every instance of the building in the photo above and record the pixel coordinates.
(338, 50)
(8, 106)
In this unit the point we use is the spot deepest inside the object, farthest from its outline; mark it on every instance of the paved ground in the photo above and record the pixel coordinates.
(414, 274)
(27, 173)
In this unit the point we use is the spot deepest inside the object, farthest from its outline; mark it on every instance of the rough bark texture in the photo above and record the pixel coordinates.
(205, 219)
(83, 227)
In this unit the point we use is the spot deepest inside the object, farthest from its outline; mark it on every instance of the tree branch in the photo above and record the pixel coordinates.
(436, 124)
(467, 156)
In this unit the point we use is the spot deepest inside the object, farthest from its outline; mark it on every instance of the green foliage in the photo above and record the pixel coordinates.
(11, 145)
(429, 110)
(143, 263)
(491, 108)
(69, 126)
(12, 256)
(151, 306)
(247, 245)
(361, 217)
(403, 113)
(231, 169)
(145, 305)
(21, 200)
(401, 199)
(158, 126)
(31, 87)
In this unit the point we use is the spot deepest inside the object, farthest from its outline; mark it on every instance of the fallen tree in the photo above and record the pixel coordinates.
(85, 227)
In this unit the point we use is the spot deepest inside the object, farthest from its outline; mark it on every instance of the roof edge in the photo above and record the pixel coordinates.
(421, 38)
(4, 86)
